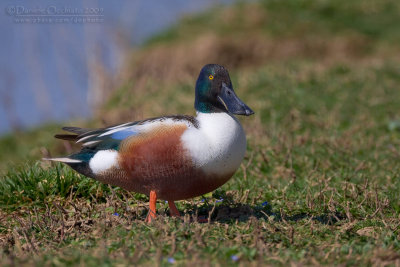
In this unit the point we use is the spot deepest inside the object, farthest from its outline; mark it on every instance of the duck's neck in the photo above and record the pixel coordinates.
(206, 105)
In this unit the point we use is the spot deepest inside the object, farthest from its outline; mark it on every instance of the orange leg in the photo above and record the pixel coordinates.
(173, 210)
(152, 204)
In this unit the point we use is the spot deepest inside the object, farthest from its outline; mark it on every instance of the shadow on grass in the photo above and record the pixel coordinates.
(226, 210)
(230, 213)
(226, 213)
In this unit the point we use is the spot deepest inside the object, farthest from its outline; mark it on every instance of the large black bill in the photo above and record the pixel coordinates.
(232, 103)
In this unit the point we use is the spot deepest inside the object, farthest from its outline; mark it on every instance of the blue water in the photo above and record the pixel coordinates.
(45, 54)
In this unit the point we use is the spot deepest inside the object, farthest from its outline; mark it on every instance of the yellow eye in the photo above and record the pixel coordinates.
(210, 77)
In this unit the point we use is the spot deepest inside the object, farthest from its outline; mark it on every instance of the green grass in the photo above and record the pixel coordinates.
(21, 146)
(376, 20)
(319, 185)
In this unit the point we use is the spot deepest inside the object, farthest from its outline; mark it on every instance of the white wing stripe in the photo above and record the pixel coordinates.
(91, 143)
(119, 126)
(86, 137)
(65, 160)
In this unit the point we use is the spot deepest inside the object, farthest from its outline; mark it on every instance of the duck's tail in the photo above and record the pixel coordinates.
(79, 165)
(64, 160)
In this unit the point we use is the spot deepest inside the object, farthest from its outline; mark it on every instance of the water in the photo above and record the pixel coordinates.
(48, 50)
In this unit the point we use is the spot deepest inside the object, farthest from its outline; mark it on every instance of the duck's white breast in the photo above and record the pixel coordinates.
(218, 145)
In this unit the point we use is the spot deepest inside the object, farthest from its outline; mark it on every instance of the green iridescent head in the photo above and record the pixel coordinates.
(214, 92)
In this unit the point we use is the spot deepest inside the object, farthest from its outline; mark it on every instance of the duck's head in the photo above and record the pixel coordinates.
(214, 92)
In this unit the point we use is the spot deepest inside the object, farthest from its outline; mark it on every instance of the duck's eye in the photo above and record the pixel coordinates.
(210, 77)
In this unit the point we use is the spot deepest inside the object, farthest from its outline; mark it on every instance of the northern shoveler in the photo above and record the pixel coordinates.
(171, 157)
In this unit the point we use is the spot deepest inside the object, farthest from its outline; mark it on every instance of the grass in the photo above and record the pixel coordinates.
(320, 181)
(19, 146)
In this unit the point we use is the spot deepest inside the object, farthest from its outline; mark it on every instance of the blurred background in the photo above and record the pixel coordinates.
(59, 59)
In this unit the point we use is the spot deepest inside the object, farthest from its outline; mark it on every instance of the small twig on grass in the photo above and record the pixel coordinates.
(245, 166)
(211, 213)
(264, 156)
(29, 241)
(173, 244)
(62, 230)
(245, 196)
(25, 234)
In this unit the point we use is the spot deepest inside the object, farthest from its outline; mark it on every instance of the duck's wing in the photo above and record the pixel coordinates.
(110, 138)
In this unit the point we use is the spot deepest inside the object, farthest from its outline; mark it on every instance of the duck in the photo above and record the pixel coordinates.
(173, 157)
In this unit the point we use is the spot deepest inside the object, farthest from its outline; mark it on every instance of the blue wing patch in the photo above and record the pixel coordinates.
(121, 135)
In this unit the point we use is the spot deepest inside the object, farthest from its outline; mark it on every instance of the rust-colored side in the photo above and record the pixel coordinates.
(157, 161)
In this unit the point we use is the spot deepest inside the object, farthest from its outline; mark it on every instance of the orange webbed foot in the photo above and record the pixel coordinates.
(152, 205)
